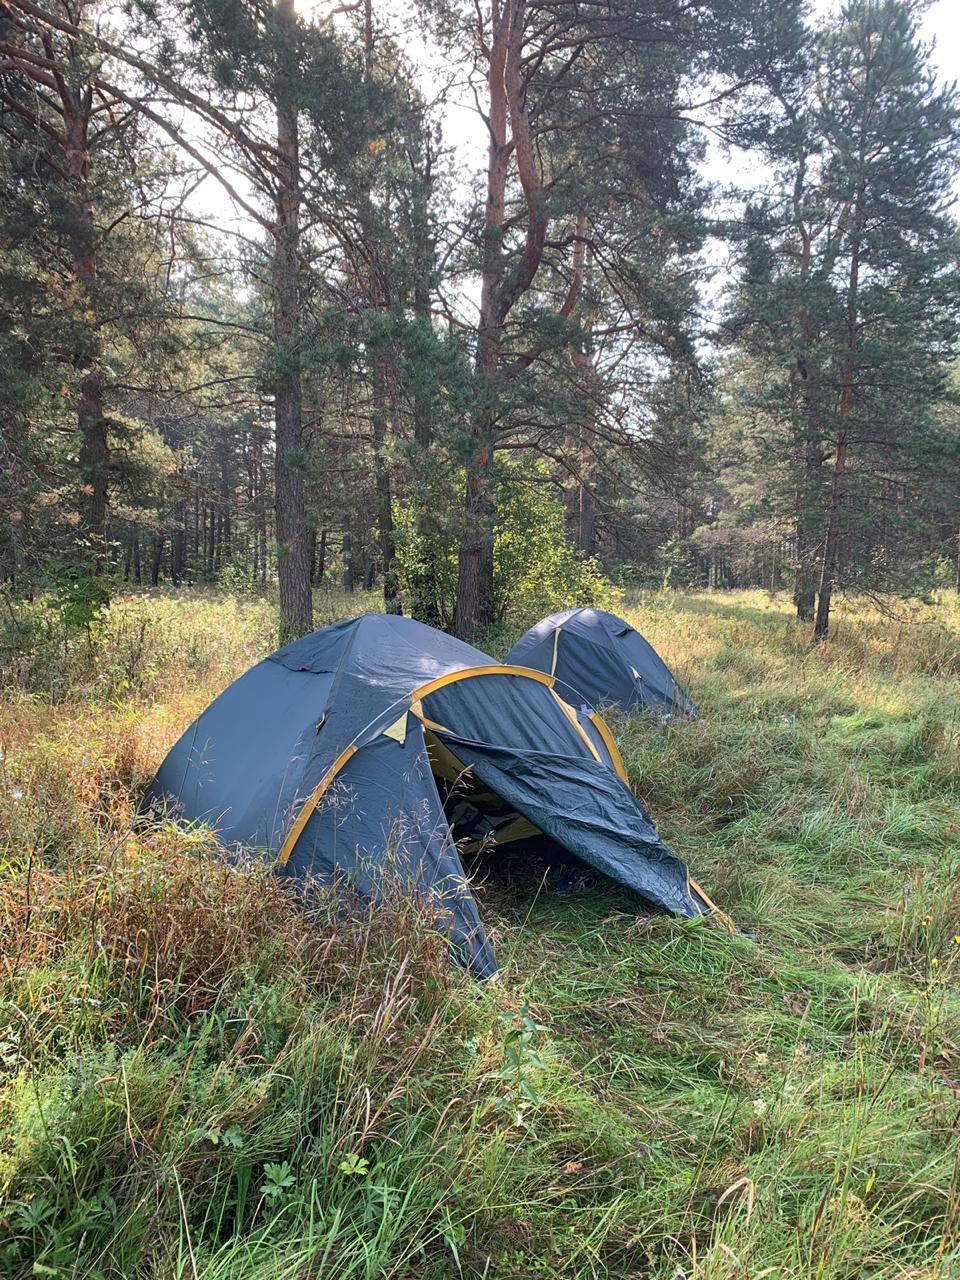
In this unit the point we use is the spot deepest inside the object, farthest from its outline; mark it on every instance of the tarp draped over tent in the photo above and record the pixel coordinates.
(596, 656)
(332, 755)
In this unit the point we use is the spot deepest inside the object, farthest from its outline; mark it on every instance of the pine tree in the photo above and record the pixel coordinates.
(560, 83)
(850, 287)
(90, 216)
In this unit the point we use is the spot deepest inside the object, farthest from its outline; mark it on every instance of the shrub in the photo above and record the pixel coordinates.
(536, 569)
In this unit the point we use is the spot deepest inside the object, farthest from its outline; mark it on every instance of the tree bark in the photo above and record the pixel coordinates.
(809, 464)
(424, 583)
(579, 498)
(158, 541)
(807, 426)
(579, 504)
(828, 572)
(179, 551)
(378, 296)
(260, 475)
(293, 555)
(94, 451)
(805, 590)
(474, 606)
(386, 540)
(500, 290)
(321, 557)
(821, 627)
(312, 551)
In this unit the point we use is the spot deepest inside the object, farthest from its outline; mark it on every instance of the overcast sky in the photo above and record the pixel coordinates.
(943, 25)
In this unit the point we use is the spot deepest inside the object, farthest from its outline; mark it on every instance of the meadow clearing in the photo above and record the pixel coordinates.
(198, 1083)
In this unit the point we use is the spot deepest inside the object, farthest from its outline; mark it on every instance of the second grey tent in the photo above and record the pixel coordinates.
(380, 741)
(596, 656)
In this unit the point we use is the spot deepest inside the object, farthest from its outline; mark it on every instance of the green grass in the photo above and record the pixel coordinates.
(196, 1082)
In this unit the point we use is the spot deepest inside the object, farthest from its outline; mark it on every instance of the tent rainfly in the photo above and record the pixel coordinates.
(600, 658)
(381, 741)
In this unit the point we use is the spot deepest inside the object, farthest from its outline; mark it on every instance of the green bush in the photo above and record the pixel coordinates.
(536, 569)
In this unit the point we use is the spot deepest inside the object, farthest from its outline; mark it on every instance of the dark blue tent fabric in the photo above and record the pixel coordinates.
(383, 819)
(238, 767)
(602, 659)
(599, 819)
(527, 715)
(319, 756)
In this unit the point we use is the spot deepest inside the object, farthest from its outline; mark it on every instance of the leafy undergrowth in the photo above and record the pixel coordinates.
(198, 1080)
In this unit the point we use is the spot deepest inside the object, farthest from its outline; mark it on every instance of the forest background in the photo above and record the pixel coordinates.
(495, 308)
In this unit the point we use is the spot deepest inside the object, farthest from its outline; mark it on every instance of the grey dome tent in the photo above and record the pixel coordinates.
(596, 656)
(382, 738)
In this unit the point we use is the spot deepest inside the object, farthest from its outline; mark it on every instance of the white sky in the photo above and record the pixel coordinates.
(943, 25)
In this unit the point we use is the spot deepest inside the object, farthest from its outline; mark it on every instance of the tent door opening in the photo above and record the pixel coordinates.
(488, 831)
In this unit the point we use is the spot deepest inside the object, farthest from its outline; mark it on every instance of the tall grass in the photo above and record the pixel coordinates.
(197, 1080)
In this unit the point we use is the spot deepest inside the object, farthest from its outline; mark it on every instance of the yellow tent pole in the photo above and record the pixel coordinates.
(303, 817)
(722, 916)
(603, 729)
(416, 697)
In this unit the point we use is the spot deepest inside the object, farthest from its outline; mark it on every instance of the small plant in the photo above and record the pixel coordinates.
(521, 1051)
(279, 1180)
(79, 595)
(354, 1166)
(536, 569)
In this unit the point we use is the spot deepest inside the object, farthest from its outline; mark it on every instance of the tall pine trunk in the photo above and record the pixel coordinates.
(847, 392)
(578, 498)
(424, 581)
(832, 541)
(475, 603)
(386, 539)
(293, 551)
(805, 405)
(805, 585)
(379, 298)
(158, 543)
(94, 451)
(475, 606)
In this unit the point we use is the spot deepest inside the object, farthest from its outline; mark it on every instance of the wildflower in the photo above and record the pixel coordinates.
(935, 962)
(956, 939)
(759, 1106)
(762, 1059)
